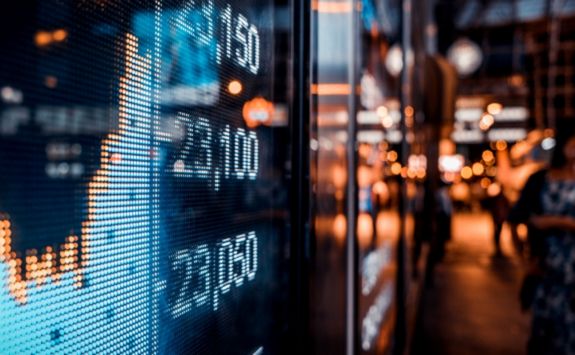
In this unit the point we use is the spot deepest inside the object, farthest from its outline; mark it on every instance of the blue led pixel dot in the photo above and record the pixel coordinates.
(55, 336)
(110, 313)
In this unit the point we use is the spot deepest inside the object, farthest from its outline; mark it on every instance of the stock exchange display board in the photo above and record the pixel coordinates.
(143, 200)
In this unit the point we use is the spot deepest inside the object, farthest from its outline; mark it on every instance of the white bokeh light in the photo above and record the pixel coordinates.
(466, 56)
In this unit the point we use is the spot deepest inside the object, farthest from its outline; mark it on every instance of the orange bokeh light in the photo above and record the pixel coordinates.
(235, 87)
(43, 38)
(258, 111)
(60, 35)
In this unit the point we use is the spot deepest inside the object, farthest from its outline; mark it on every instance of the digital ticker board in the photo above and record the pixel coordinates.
(163, 229)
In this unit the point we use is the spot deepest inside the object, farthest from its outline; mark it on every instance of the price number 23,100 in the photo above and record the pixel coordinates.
(215, 154)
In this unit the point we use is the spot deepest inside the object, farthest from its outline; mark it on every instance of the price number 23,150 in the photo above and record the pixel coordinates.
(235, 37)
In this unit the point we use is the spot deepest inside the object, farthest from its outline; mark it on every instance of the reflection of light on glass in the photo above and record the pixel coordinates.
(388, 225)
(460, 191)
(258, 111)
(411, 190)
(548, 143)
(364, 150)
(314, 144)
(330, 89)
(377, 312)
(507, 134)
(516, 80)
(235, 87)
(467, 136)
(421, 173)
(179, 166)
(364, 176)
(404, 172)
(60, 35)
(409, 111)
(51, 81)
(446, 147)
(331, 7)
(494, 189)
(488, 156)
(386, 119)
(77, 169)
(396, 168)
(494, 108)
(466, 172)
(522, 232)
(468, 114)
(372, 266)
(451, 163)
(340, 227)
(370, 93)
(394, 60)
(339, 177)
(42, 38)
(392, 155)
(11, 96)
(381, 190)
(417, 166)
(513, 114)
(382, 111)
(364, 229)
(449, 177)
(470, 101)
(501, 145)
(478, 169)
(63, 169)
(486, 122)
(466, 56)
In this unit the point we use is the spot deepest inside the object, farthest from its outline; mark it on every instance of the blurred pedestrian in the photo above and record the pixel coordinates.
(547, 206)
(498, 206)
(444, 215)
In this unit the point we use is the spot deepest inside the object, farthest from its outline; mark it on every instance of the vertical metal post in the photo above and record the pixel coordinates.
(405, 98)
(300, 202)
(352, 203)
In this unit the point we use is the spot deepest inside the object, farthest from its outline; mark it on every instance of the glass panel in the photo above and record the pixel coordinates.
(498, 12)
(378, 175)
(530, 9)
(331, 91)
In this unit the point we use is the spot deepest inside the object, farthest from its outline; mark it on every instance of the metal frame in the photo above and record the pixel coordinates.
(300, 184)
(354, 62)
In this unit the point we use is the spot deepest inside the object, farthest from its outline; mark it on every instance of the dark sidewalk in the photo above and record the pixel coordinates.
(472, 307)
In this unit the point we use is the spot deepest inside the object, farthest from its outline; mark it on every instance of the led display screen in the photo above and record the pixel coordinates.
(143, 193)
